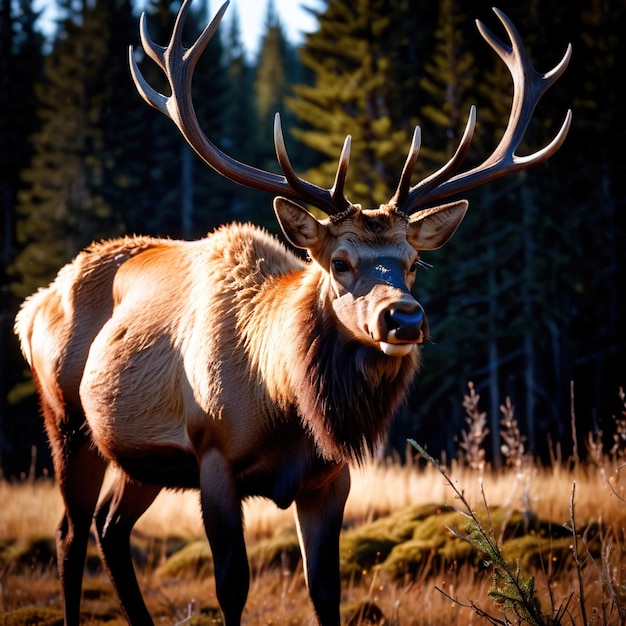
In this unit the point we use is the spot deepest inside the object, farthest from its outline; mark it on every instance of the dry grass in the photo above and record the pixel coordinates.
(34, 508)
(377, 490)
(30, 512)
(399, 558)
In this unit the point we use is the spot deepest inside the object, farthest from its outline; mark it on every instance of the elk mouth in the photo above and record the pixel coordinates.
(395, 345)
(396, 349)
(399, 349)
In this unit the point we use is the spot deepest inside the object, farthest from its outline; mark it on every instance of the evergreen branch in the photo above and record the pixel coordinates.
(509, 590)
(480, 612)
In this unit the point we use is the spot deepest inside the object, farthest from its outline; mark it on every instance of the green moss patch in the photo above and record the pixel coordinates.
(281, 551)
(194, 559)
(32, 616)
(369, 545)
(28, 553)
(412, 542)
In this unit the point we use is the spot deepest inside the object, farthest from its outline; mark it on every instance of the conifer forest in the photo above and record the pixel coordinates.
(527, 301)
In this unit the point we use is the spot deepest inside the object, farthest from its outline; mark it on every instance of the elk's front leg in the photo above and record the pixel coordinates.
(319, 515)
(221, 512)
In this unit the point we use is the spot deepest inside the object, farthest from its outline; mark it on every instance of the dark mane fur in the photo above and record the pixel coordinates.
(350, 391)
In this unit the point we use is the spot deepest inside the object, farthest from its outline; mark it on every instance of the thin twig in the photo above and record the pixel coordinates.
(480, 612)
(573, 417)
(579, 567)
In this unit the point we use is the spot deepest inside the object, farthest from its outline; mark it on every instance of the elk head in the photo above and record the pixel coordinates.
(368, 256)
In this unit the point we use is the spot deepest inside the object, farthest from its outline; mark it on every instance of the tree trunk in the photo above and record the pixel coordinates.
(528, 208)
(493, 353)
(186, 200)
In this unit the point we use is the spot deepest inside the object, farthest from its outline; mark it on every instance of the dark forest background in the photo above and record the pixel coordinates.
(527, 300)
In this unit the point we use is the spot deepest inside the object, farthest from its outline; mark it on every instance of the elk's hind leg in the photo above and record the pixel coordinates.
(79, 470)
(124, 504)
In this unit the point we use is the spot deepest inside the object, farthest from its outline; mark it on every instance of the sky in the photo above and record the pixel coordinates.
(252, 13)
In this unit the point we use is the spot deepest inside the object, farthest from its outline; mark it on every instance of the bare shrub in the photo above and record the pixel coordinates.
(472, 440)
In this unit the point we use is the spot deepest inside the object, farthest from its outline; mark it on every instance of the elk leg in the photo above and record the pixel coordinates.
(319, 515)
(221, 512)
(124, 504)
(79, 470)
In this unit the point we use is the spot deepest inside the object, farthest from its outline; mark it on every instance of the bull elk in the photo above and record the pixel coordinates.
(230, 365)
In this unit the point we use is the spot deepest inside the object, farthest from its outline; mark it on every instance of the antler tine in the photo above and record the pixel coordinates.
(152, 49)
(178, 64)
(171, 56)
(458, 157)
(331, 201)
(198, 47)
(528, 87)
(509, 53)
(521, 69)
(155, 52)
(407, 171)
(337, 190)
(447, 170)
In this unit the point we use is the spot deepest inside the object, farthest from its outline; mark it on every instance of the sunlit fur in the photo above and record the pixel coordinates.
(57, 325)
(227, 364)
(179, 331)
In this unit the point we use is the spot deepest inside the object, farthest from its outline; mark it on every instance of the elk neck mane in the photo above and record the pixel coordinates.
(348, 392)
(344, 392)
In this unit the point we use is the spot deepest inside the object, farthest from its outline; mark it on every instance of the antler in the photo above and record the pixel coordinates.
(178, 64)
(528, 87)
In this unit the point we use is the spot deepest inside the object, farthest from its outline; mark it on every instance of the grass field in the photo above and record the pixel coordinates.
(398, 554)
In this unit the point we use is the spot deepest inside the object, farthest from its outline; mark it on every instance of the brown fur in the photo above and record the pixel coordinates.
(227, 364)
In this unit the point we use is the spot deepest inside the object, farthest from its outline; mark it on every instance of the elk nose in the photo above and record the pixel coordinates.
(406, 325)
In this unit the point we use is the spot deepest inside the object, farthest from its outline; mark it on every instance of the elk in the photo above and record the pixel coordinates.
(232, 366)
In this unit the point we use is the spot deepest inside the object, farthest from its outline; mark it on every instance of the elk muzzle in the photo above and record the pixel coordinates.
(403, 325)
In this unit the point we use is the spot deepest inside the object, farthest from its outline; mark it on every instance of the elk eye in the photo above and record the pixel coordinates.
(340, 266)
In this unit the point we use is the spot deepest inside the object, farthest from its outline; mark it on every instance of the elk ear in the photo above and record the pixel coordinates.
(432, 228)
(301, 228)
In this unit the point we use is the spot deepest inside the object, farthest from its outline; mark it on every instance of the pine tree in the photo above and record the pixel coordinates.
(62, 208)
(157, 162)
(366, 60)
(447, 87)
(533, 327)
(122, 122)
(211, 192)
(239, 121)
(271, 82)
(177, 194)
(275, 71)
(21, 61)
(595, 206)
(240, 125)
